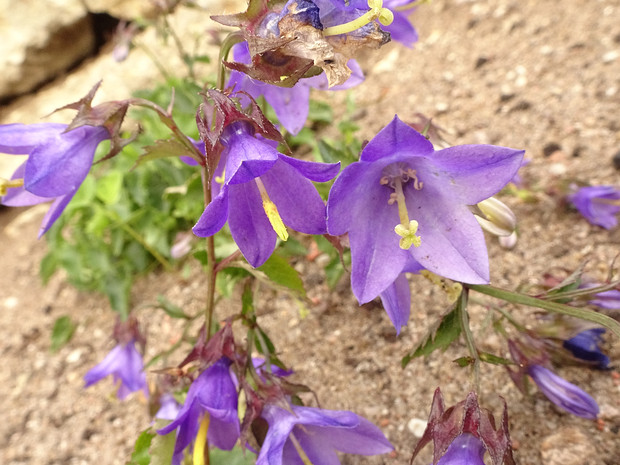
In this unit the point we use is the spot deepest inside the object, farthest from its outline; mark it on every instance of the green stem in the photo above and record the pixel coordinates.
(211, 260)
(228, 43)
(469, 337)
(518, 298)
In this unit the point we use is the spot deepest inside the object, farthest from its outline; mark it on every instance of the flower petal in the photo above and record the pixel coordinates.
(317, 172)
(56, 209)
(476, 172)
(396, 299)
(376, 257)
(20, 197)
(248, 158)
(249, 225)
(21, 139)
(214, 216)
(298, 202)
(564, 394)
(394, 138)
(452, 242)
(58, 166)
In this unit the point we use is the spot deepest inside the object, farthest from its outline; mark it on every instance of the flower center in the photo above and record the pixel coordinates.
(271, 211)
(6, 184)
(384, 15)
(395, 176)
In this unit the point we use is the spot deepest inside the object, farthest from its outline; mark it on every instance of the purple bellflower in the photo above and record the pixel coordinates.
(466, 449)
(291, 104)
(258, 191)
(599, 205)
(212, 401)
(317, 434)
(57, 164)
(586, 346)
(124, 363)
(565, 395)
(405, 207)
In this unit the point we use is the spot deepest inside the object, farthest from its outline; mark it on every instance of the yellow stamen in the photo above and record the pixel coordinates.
(200, 444)
(6, 184)
(407, 228)
(376, 11)
(272, 212)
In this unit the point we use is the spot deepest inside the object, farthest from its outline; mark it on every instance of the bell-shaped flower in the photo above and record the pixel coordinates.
(599, 205)
(565, 395)
(124, 363)
(466, 449)
(57, 164)
(260, 191)
(586, 346)
(403, 201)
(168, 407)
(299, 435)
(291, 104)
(211, 403)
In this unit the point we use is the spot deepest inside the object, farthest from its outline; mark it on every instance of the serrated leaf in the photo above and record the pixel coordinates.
(281, 272)
(494, 359)
(140, 455)
(440, 337)
(166, 148)
(171, 310)
(62, 332)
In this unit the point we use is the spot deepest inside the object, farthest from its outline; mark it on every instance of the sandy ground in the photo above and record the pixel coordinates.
(538, 75)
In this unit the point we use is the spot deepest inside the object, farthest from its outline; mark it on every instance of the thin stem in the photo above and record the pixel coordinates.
(469, 337)
(586, 291)
(227, 44)
(211, 261)
(518, 298)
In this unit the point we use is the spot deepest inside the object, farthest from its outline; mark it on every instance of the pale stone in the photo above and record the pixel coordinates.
(40, 40)
(568, 446)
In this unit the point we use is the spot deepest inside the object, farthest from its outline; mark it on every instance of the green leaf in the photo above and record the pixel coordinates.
(162, 447)
(464, 361)
(62, 332)
(441, 337)
(171, 309)
(494, 359)
(231, 457)
(328, 153)
(48, 267)
(281, 272)
(163, 149)
(140, 455)
(109, 187)
(320, 112)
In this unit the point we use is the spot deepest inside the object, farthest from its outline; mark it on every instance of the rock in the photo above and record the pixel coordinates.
(40, 40)
(126, 9)
(567, 446)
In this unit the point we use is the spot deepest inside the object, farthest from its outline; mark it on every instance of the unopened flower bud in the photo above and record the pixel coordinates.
(497, 218)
